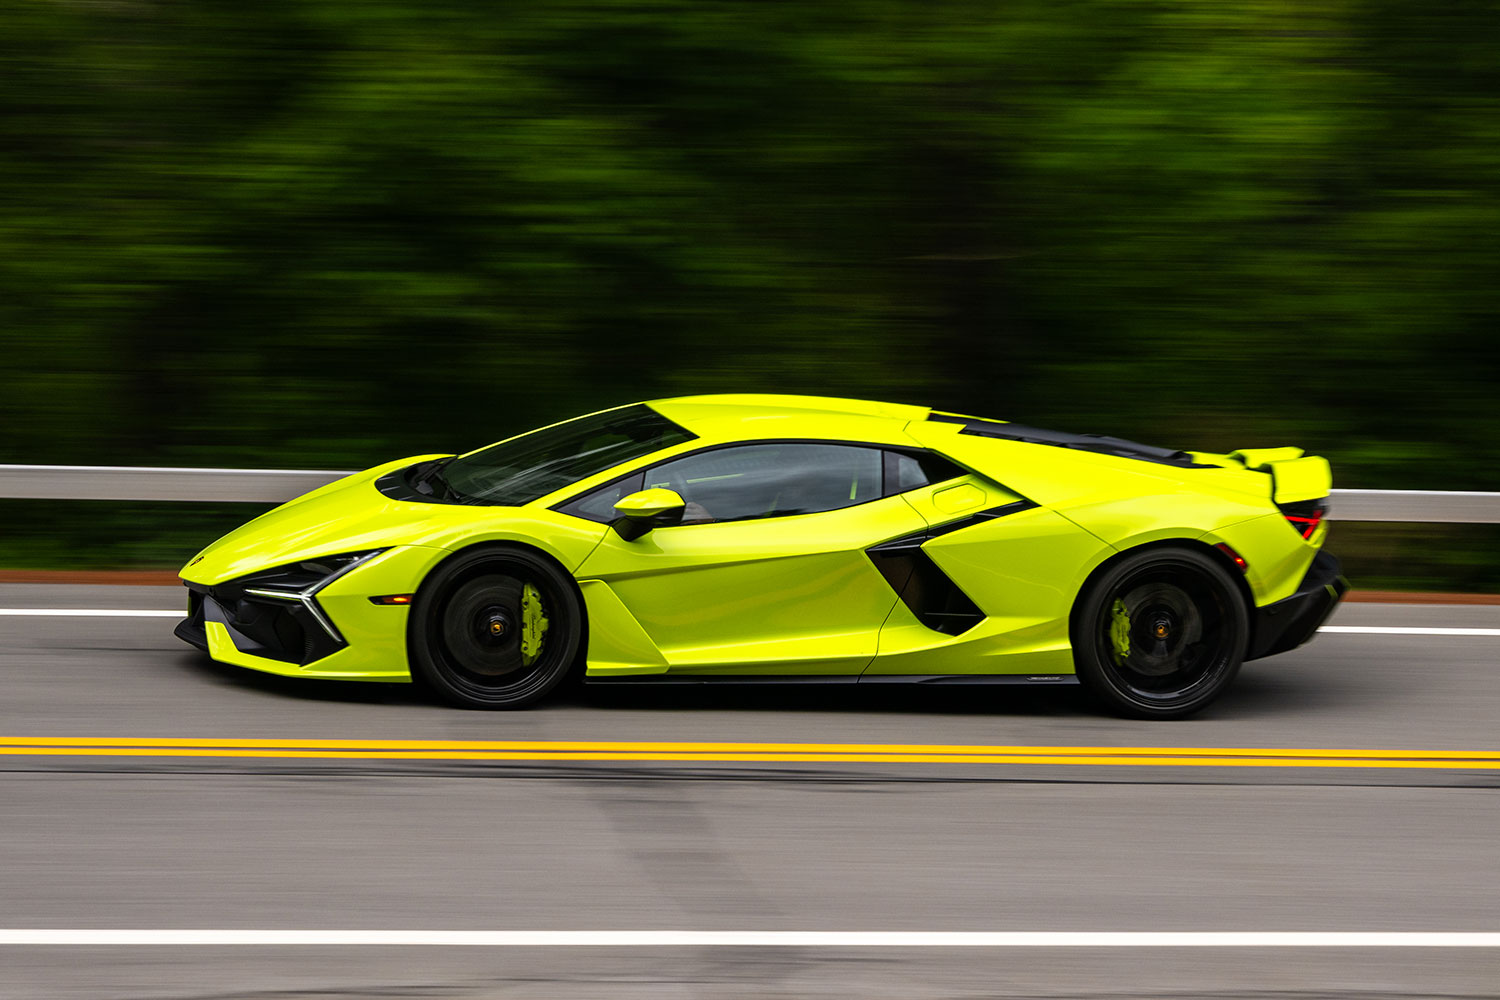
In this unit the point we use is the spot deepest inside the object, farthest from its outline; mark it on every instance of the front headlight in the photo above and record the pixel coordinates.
(301, 582)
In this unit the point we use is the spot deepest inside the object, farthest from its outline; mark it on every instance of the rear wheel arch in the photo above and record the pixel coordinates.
(1185, 674)
(1189, 544)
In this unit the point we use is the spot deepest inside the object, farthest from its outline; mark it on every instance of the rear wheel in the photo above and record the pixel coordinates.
(495, 628)
(1160, 634)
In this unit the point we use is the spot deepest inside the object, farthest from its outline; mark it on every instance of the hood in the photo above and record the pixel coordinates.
(348, 515)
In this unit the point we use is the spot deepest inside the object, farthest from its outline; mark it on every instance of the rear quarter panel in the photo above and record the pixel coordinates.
(1276, 557)
(1023, 571)
(1126, 503)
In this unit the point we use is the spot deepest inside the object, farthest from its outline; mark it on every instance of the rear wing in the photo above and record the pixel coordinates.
(1295, 476)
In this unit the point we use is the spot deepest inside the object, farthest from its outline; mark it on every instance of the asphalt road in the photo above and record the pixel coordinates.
(159, 842)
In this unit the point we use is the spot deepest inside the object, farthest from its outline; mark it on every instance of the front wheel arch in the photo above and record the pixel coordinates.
(499, 550)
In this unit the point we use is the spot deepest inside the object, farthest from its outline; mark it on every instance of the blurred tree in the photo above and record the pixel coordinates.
(327, 232)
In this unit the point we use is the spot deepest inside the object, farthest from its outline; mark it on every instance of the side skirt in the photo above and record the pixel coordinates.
(956, 680)
(1053, 680)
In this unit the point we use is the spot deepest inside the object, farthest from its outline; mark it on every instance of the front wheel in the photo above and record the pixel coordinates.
(1160, 634)
(495, 628)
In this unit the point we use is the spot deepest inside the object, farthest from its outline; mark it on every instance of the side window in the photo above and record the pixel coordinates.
(771, 480)
(908, 472)
(598, 504)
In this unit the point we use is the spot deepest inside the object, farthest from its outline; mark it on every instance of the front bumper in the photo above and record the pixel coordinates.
(336, 633)
(284, 631)
(1289, 623)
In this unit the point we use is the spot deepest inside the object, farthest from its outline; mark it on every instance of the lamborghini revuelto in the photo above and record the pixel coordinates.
(743, 537)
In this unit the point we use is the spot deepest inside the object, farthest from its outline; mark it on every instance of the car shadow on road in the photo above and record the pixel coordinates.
(274, 685)
(979, 699)
(1256, 693)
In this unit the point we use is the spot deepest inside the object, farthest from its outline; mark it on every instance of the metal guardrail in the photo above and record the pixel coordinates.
(1418, 506)
(116, 482)
(123, 482)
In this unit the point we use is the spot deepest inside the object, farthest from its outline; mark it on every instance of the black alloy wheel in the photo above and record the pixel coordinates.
(1161, 633)
(495, 628)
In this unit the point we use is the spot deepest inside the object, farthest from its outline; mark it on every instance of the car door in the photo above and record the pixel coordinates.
(767, 573)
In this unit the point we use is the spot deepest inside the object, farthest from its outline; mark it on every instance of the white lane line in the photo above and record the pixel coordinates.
(141, 613)
(1402, 630)
(753, 939)
(88, 613)
(1416, 493)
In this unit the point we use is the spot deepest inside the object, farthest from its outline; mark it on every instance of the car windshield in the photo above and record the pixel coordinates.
(528, 467)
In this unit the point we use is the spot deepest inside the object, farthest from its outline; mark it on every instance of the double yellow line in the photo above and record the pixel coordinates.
(766, 753)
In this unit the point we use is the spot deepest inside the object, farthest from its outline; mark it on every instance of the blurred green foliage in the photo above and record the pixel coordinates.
(111, 534)
(1453, 558)
(324, 233)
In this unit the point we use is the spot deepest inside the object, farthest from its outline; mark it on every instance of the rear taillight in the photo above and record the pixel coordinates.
(1305, 515)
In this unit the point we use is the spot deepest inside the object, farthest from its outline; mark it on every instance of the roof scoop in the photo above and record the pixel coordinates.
(1101, 444)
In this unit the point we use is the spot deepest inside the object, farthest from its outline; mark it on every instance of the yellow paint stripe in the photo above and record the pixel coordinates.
(693, 747)
(777, 753)
(1092, 761)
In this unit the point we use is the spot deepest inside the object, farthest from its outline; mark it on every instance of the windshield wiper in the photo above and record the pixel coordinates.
(431, 475)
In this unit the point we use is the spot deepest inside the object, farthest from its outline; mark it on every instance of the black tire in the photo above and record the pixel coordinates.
(469, 639)
(1160, 633)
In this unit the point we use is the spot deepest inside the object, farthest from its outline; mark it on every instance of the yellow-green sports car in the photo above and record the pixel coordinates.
(751, 537)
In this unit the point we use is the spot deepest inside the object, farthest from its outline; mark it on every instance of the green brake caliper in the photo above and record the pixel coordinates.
(533, 625)
(1119, 631)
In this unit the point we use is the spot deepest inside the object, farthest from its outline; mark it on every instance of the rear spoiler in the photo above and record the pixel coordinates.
(1295, 476)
